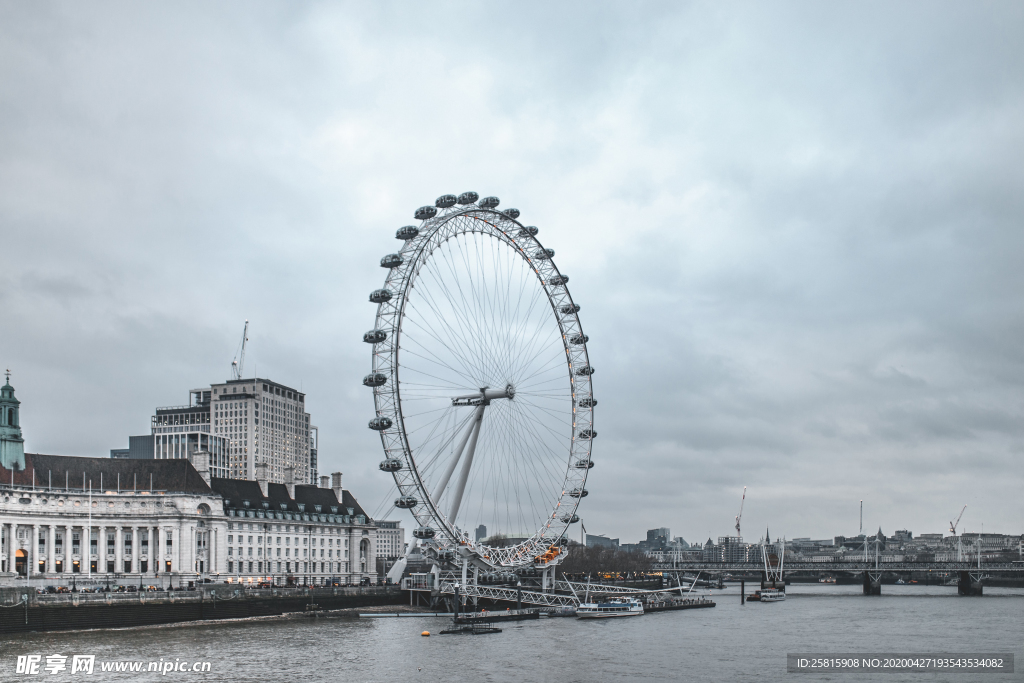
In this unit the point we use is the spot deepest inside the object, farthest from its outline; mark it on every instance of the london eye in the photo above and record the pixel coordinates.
(482, 385)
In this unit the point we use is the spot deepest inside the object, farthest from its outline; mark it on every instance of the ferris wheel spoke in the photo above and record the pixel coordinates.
(480, 300)
(456, 312)
(537, 444)
(468, 303)
(431, 360)
(464, 334)
(452, 349)
(456, 337)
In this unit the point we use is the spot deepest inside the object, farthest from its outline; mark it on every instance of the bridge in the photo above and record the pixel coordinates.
(831, 567)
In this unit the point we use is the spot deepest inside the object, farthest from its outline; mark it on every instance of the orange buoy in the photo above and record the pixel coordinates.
(425, 633)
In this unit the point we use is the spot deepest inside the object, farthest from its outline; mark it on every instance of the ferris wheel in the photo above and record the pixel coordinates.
(482, 385)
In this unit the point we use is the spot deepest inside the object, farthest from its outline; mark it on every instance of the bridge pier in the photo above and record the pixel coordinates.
(968, 584)
(872, 583)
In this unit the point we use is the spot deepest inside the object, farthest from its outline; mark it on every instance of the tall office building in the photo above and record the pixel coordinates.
(264, 421)
(240, 423)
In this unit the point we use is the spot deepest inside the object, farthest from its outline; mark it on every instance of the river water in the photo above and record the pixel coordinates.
(727, 643)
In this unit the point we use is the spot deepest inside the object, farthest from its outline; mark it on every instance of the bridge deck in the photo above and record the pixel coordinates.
(790, 567)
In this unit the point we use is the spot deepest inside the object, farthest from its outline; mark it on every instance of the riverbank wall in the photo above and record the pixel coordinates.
(24, 610)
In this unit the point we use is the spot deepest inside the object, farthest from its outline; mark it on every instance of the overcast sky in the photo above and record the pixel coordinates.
(795, 231)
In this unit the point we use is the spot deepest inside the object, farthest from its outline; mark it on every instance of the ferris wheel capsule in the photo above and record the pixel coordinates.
(489, 202)
(424, 213)
(445, 201)
(380, 296)
(390, 465)
(424, 532)
(375, 379)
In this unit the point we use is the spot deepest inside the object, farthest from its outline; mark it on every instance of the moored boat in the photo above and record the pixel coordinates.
(616, 607)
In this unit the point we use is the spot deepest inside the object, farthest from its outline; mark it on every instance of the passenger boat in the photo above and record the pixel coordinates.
(772, 595)
(616, 607)
(827, 579)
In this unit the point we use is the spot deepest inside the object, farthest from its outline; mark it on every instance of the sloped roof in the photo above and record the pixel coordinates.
(277, 498)
(106, 474)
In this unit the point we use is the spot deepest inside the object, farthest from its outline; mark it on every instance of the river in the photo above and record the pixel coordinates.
(730, 642)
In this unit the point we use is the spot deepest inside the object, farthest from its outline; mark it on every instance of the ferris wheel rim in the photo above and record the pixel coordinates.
(391, 312)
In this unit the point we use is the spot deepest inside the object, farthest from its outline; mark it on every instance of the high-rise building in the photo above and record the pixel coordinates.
(241, 423)
(481, 533)
(182, 431)
(263, 421)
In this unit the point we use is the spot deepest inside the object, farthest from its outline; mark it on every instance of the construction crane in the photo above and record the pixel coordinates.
(952, 530)
(740, 516)
(239, 360)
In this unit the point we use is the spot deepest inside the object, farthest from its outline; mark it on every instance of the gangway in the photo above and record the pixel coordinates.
(511, 595)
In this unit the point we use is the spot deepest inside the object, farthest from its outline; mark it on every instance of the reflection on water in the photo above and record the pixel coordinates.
(728, 643)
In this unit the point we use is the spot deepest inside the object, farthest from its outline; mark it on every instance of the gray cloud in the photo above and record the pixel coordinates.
(794, 230)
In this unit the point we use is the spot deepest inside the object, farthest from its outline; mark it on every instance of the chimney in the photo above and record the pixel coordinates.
(325, 482)
(261, 477)
(289, 481)
(201, 461)
(336, 484)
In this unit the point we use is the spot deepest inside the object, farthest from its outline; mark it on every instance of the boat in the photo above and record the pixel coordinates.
(827, 579)
(616, 607)
(485, 616)
(767, 595)
(900, 582)
(664, 605)
(471, 630)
